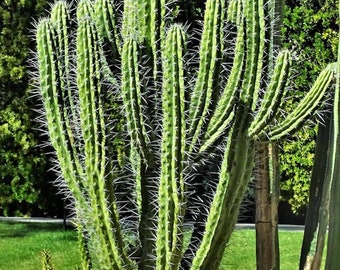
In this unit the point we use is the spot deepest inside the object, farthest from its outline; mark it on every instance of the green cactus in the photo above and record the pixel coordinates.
(182, 108)
(332, 260)
(318, 208)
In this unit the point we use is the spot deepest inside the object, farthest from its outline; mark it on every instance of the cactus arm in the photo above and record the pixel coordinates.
(50, 92)
(130, 26)
(144, 20)
(221, 218)
(171, 190)
(59, 16)
(138, 125)
(201, 96)
(52, 41)
(212, 221)
(233, 11)
(273, 94)
(259, 33)
(244, 158)
(253, 12)
(94, 137)
(84, 10)
(59, 19)
(305, 108)
(223, 114)
(157, 32)
(106, 21)
(133, 101)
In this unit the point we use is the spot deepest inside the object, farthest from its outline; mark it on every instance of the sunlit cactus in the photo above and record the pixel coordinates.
(185, 109)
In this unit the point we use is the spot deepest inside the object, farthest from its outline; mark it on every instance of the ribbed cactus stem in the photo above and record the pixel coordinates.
(93, 132)
(333, 258)
(209, 55)
(216, 232)
(106, 21)
(50, 92)
(255, 42)
(60, 21)
(272, 97)
(134, 102)
(171, 187)
(224, 114)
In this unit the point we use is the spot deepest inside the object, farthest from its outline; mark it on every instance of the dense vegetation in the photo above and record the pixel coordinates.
(311, 30)
(24, 176)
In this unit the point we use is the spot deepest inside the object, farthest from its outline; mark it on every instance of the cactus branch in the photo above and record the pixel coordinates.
(304, 109)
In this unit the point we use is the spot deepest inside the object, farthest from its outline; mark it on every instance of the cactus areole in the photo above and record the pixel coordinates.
(154, 119)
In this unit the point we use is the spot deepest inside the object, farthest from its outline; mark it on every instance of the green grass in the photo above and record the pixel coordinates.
(241, 251)
(21, 245)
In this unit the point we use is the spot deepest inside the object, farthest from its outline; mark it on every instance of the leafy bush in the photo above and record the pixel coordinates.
(311, 30)
(23, 167)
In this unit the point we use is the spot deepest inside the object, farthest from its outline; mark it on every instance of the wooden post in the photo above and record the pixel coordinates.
(266, 199)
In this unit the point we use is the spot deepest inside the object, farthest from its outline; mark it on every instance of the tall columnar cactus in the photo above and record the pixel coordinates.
(318, 208)
(184, 109)
(333, 259)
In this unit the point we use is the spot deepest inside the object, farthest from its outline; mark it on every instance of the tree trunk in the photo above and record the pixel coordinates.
(266, 199)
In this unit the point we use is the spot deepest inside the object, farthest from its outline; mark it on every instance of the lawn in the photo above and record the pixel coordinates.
(241, 251)
(21, 245)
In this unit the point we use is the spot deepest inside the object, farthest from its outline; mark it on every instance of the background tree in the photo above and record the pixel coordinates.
(310, 28)
(24, 186)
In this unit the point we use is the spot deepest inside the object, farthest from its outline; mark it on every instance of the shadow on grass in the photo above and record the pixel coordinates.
(17, 230)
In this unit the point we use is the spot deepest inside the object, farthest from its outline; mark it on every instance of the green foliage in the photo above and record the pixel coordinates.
(15, 43)
(310, 28)
(23, 166)
(21, 246)
(22, 162)
(296, 162)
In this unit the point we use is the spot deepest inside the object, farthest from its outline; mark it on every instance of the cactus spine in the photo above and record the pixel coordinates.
(178, 111)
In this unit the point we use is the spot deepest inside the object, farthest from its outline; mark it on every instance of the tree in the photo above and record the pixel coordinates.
(23, 166)
(310, 29)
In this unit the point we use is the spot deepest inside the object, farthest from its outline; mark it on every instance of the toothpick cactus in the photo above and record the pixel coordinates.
(184, 109)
